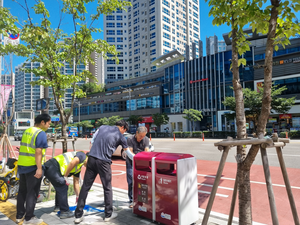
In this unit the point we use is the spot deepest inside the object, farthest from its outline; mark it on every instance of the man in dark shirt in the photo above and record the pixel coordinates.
(105, 143)
(137, 143)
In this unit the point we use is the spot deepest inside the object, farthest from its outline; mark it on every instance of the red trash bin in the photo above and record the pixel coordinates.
(176, 189)
(143, 177)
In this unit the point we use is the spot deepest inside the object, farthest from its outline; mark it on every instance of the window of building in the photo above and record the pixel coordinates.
(152, 27)
(137, 58)
(110, 25)
(137, 43)
(111, 69)
(136, 13)
(167, 44)
(152, 19)
(166, 27)
(136, 5)
(137, 36)
(119, 39)
(120, 77)
(119, 32)
(137, 51)
(110, 39)
(153, 52)
(166, 19)
(166, 11)
(120, 69)
(152, 35)
(111, 61)
(137, 20)
(165, 35)
(110, 17)
(110, 32)
(119, 25)
(152, 2)
(119, 17)
(152, 10)
(119, 47)
(152, 44)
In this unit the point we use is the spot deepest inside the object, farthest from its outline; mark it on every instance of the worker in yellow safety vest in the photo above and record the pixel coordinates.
(31, 155)
(57, 171)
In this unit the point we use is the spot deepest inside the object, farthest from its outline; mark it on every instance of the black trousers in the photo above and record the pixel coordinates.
(28, 193)
(52, 172)
(94, 167)
(129, 177)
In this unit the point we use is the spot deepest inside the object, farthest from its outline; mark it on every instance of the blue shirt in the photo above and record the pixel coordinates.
(106, 142)
(40, 142)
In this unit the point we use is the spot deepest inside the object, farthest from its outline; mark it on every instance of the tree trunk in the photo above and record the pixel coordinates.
(245, 209)
(243, 175)
(266, 101)
(64, 133)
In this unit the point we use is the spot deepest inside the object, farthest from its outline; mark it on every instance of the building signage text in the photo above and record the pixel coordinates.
(194, 81)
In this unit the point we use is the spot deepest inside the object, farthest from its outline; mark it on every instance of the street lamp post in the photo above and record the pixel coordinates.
(129, 93)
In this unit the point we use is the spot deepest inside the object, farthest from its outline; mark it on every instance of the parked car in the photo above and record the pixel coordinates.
(88, 134)
(18, 135)
(120, 152)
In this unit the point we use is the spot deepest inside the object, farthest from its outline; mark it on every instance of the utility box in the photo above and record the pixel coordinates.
(143, 179)
(176, 189)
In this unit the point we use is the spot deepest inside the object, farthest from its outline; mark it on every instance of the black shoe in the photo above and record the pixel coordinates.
(56, 209)
(67, 214)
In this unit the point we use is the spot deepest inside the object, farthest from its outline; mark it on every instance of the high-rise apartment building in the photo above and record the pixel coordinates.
(98, 68)
(149, 29)
(26, 95)
(213, 45)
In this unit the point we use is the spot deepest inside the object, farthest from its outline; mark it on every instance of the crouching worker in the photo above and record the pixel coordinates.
(57, 171)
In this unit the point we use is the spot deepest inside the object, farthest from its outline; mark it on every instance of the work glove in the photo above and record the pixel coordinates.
(67, 181)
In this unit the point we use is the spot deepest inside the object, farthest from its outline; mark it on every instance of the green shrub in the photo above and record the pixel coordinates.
(178, 134)
(197, 134)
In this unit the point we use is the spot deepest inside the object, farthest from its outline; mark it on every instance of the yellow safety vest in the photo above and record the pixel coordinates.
(65, 159)
(27, 149)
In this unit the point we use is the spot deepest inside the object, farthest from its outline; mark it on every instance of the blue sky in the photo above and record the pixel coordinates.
(206, 27)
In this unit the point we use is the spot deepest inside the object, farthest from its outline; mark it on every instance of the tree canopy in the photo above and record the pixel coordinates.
(53, 48)
(135, 120)
(108, 121)
(91, 88)
(160, 119)
(192, 115)
(253, 99)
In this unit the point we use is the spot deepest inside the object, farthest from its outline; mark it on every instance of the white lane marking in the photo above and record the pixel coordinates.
(118, 171)
(255, 182)
(118, 164)
(282, 154)
(207, 192)
(225, 217)
(210, 185)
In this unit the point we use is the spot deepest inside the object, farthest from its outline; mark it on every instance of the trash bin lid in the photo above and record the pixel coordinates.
(146, 155)
(172, 157)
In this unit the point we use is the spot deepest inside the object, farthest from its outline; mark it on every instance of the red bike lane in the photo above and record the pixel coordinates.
(206, 176)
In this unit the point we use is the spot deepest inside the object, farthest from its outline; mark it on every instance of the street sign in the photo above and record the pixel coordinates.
(28, 121)
(54, 119)
(13, 39)
(13, 36)
(14, 120)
